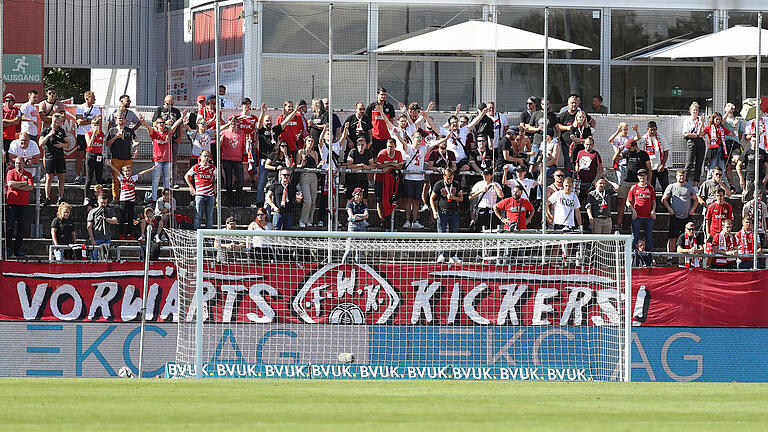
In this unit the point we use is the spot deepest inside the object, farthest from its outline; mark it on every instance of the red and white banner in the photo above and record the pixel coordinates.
(428, 294)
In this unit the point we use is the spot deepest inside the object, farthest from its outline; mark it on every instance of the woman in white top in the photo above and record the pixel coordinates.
(260, 249)
(693, 131)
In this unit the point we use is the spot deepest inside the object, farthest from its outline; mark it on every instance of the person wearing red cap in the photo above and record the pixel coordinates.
(636, 160)
(11, 121)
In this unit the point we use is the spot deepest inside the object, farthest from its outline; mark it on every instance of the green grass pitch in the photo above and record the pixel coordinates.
(418, 406)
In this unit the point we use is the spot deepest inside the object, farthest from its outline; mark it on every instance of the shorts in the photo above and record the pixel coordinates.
(677, 226)
(625, 187)
(412, 189)
(80, 143)
(55, 166)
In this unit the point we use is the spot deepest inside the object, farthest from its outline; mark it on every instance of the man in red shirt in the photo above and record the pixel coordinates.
(380, 132)
(11, 122)
(717, 212)
(294, 132)
(203, 188)
(387, 160)
(246, 122)
(232, 153)
(642, 200)
(19, 184)
(519, 210)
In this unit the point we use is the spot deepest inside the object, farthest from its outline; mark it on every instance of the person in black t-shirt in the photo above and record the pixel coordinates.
(444, 199)
(266, 145)
(283, 199)
(359, 124)
(566, 119)
(63, 230)
(636, 160)
(54, 140)
(359, 158)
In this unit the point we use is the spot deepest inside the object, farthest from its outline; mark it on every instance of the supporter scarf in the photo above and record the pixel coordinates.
(690, 242)
(745, 242)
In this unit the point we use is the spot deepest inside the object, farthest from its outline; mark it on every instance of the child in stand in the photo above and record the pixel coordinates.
(127, 197)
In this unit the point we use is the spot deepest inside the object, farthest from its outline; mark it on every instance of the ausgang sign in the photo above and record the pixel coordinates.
(22, 68)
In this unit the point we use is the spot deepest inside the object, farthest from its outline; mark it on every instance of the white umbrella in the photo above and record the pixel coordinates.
(739, 42)
(477, 37)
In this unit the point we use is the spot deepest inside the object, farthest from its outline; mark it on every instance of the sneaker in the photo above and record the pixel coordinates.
(47, 202)
(441, 258)
(319, 223)
(59, 201)
(417, 225)
(455, 259)
(85, 202)
(407, 225)
(177, 186)
(79, 179)
(424, 208)
(302, 225)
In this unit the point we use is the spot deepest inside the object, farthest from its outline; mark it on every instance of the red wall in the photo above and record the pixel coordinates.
(23, 33)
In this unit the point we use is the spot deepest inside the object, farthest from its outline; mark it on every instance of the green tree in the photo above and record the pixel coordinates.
(68, 82)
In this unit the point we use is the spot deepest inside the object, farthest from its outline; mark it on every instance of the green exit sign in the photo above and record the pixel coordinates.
(22, 68)
(677, 91)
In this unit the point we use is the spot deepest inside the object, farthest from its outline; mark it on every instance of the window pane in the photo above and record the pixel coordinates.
(659, 89)
(635, 29)
(415, 81)
(397, 21)
(516, 82)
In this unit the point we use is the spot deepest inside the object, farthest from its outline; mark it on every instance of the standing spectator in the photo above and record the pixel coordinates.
(201, 139)
(63, 232)
(693, 130)
(223, 101)
(11, 121)
(360, 158)
(54, 141)
(652, 143)
(748, 211)
(636, 160)
(485, 193)
(745, 168)
(485, 124)
(735, 126)
(94, 156)
(99, 221)
(127, 196)
(751, 130)
(526, 117)
(589, 166)
(247, 122)
(131, 119)
(518, 211)
(50, 106)
(379, 132)
(745, 239)
(566, 120)
(514, 149)
(717, 151)
(294, 131)
(165, 206)
(84, 114)
(724, 242)
(708, 190)
(318, 120)
(599, 205)
(444, 200)
(457, 137)
(120, 141)
(283, 198)
(619, 141)
(266, 145)
(359, 124)
(335, 122)
(232, 154)
(578, 134)
(308, 158)
(717, 212)
(385, 182)
(279, 159)
(690, 242)
(557, 184)
(597, 105)
(413, 183)
(148, 219)
(519, 178)
(357, 221)
(18, 183)
(641, 199)
(203, 188)
(681, 201)
(481, 157)
(440, 158)
(563, 208)
(30, 116)
(170, 115)
(536, 128)
(161, 151)
(26, 149)
(551, 155)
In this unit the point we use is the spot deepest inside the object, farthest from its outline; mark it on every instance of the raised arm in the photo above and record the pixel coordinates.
(477, 119)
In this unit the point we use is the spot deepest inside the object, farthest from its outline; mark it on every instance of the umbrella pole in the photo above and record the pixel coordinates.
(744, 79)
(758, 132)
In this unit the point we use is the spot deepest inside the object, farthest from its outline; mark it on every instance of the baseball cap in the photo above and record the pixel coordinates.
(482, 106)
(245, 101)
(357, 191)
(211, 97)
(514, 130)
(200, 98)
(10, 96)
(630, 143)
(487, 171)
(642, 171)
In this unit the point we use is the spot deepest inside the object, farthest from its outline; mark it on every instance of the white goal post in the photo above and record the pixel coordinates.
(310, 304)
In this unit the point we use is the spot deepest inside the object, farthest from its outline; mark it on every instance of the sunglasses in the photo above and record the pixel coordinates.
(285, 175)
(260, 214)
(529, 103)
(688, 229)
(559, 175)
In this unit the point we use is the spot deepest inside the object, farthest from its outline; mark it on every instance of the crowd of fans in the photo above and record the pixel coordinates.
(483, 165)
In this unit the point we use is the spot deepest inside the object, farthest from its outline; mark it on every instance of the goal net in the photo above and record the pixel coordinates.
(402, 305)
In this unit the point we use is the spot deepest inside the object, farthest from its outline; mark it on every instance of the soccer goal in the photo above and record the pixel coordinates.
(402, 305)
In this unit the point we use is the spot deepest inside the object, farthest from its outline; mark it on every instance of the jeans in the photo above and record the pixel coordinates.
(262, 181)
(94, 170)
(716, 162)
(204, 205)
(694, 158)
(233, 179)
(282, 221)
(163, 169)
(646, 224)
(16, 217)
(357, 226)
(95, 251)
(447, 222)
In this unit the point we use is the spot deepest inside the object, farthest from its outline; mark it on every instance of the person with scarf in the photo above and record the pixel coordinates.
(717, 151)
(690, 242)
(653, 144)
(745, 239)
(724, 243)
(385, 182)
